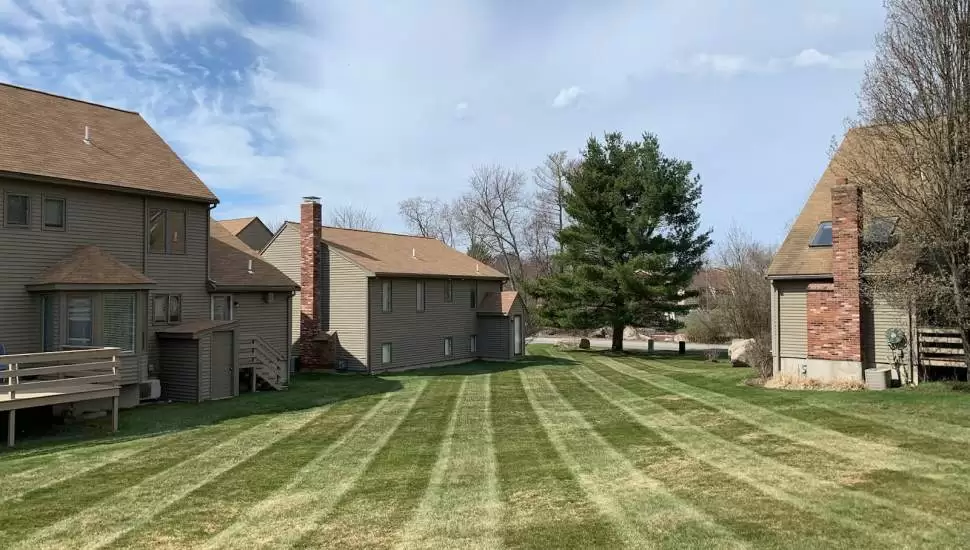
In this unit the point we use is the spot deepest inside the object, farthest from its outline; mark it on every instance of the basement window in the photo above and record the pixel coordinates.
(823, 235)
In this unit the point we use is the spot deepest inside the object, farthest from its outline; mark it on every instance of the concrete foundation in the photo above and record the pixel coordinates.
(822, 369)
(129, 398)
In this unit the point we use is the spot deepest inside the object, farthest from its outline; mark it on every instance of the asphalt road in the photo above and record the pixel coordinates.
(628, 344)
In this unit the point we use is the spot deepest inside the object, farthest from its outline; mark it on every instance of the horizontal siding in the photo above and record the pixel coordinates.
(284, 254)
(417, 338)
(268, 321)
(793, 323)
(205, 368)
(133, 368)
(179, 368)
(493, 337)
(347, 309)
(112, 221)
(255, 236)
(879, 317)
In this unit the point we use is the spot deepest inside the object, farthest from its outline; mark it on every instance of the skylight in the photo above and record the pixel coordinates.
(823, 236)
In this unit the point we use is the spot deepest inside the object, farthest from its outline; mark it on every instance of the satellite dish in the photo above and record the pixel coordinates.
(895, 337)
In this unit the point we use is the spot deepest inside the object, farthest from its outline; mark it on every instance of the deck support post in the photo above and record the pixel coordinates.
(11, 427)
(114, 414)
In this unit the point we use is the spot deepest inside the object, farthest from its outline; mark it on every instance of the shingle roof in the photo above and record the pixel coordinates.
(229, 260)
(498, 302)
(795, 257)
(236, 225)
(90, 265)
(394, 254)
(43, 135)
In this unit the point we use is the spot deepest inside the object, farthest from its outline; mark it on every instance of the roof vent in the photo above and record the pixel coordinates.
(249, 268)
(312, 199)
(476, 268)
(87, 135)
(414, 253)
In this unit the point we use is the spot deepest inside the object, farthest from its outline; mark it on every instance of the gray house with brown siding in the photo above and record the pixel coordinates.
(393, 301)
(823, 325)
(105, 240)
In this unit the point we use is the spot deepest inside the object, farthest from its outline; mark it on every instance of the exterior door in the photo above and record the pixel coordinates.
(517, 334)
(223, 372)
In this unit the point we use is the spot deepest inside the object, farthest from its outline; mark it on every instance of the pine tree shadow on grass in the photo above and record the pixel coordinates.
(306, 391)
(484, 367)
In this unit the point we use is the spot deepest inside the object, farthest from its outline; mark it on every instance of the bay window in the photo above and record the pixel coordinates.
(80, 322)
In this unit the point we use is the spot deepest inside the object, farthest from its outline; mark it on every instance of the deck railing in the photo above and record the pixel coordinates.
(27, 376)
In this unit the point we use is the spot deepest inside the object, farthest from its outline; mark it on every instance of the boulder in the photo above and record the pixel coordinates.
(601, 332)
(584, 343)
(630, 333)
(738, 352)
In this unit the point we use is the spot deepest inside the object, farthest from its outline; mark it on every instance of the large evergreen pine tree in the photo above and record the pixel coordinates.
(634, 243)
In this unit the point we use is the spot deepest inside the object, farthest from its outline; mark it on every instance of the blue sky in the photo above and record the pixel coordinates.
(367, 103)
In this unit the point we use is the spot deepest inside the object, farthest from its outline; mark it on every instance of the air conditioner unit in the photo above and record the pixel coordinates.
(151, 389)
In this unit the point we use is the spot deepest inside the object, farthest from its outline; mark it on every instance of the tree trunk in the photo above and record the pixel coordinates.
(618, 336)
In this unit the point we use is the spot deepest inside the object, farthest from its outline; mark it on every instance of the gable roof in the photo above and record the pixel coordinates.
(229, 260)
(795, 258)
(498, 302)
(236, 225)
(90, 265)
(383, 254)
(42, 135)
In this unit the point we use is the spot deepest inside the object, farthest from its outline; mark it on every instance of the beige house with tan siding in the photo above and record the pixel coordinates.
(394, 301)
(823, 324)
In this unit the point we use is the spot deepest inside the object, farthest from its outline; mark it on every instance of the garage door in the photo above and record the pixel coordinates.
(793, 324)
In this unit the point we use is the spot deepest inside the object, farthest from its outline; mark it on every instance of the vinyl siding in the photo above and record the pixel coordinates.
(493, 337)
(183, 274)
(284, 254)
(110, 220)
(255, 236)
(877, 318)
(793, 321)
(179, 369)
(269, 321)
(347, 309)
(205, 368)
(418, 337)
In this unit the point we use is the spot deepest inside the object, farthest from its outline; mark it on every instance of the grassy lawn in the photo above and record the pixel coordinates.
(560, 450)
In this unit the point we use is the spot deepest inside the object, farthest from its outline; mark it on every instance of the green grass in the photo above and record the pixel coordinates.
(577, 450)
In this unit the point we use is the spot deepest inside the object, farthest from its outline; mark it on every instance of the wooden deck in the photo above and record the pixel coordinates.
(41, 379)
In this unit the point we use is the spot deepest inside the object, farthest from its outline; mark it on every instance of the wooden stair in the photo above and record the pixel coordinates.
(269, 365)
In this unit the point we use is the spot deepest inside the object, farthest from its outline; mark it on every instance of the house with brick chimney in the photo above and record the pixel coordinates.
(391, 301)
(823, 325)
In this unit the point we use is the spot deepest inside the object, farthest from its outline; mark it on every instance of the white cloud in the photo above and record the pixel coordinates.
(845, 60)
(15, 50)
(461, 110)
(726, 64)
(567, 96)
(733, 65)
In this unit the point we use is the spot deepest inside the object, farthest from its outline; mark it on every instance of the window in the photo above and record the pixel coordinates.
(118, 323)
(449, 291)
(473, 343)
(47, 309)
(473, 296)
(166, 231)
(385, 296)
(823, 236)
(166, 308)
(17, 210)
(80, 327)
(448, 346)
(54, 213)
(517, 334)
(420, 295)
(222, 307)
(385, 353)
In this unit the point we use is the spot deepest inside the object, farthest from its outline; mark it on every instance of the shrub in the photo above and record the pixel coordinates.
(791, 382)
(759, 357)
(702, 327)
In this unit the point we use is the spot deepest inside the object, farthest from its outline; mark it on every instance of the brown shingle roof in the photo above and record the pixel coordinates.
(236, 225)
(795, 257)
(498, 302)
(43, 135)
(394, 254)
(90, 265)
(229, 260)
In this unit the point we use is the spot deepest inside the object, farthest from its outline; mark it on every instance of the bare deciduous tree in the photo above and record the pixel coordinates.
(275, 224)
(431, 218)
(912, 158)
(744, 300)
(349, 217)
(551, 185)
(498, 204)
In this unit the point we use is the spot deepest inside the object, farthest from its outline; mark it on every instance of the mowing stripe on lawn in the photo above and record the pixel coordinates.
(544, 506)
(290, 512)
(48, 505)
(827, 499)
(461, 506)
(375, 510)
(921, 426)
(645, 514)
(875, 454)
(733, 503)
(216, 505)
(102, 524)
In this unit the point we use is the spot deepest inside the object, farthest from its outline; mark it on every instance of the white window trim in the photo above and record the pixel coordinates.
(473, 343)
(212, 306)
(387, 296)
(390, 353)
(449, 346)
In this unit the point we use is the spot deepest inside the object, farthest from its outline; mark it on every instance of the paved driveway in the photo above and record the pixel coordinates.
(627, 344)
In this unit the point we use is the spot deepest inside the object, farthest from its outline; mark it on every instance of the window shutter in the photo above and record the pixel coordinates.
(119, 321)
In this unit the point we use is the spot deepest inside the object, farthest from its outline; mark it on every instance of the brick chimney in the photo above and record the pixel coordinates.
(310, 295)
(847, 267)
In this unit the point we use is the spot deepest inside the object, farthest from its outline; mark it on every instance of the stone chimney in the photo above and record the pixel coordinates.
(310, 287)
(847, 267)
